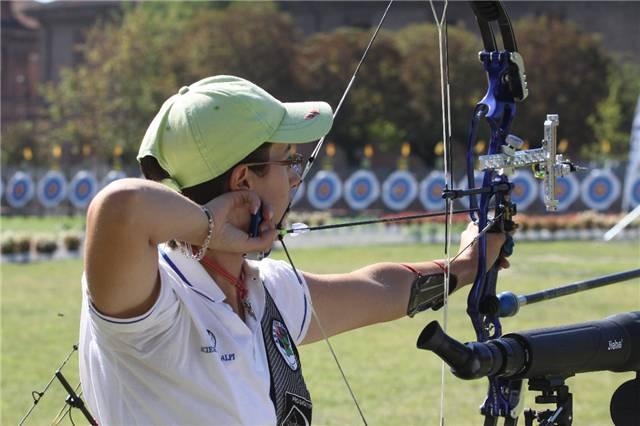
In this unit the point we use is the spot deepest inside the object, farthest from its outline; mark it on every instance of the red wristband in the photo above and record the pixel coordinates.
(441, 266)
(411, 268)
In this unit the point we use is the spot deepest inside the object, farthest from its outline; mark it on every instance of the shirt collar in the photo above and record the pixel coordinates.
(192, 273)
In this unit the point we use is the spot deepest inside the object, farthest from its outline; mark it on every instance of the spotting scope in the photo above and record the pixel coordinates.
(609, 344)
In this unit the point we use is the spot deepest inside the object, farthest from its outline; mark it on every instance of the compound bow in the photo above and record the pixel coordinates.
(507, 85)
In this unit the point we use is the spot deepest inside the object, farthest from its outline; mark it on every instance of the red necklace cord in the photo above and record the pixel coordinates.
(238, 283)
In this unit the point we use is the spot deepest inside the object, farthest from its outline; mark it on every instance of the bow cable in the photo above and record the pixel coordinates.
(445, 97)
(318, 147)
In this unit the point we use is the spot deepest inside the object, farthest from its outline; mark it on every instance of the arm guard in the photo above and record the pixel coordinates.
(427, 292)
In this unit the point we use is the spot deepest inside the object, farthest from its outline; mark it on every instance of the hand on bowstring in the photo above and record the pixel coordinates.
(231, 214)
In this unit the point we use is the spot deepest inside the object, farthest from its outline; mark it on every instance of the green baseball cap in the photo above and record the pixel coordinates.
(210, 126)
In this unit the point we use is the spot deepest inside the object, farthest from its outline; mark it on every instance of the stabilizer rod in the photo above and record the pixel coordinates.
(510, 303)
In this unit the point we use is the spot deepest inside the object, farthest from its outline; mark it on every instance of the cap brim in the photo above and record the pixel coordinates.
(304, 122)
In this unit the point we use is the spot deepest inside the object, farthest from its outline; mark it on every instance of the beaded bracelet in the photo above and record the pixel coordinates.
(188, 249)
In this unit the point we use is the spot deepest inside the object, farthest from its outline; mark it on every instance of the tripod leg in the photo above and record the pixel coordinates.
(510, 421)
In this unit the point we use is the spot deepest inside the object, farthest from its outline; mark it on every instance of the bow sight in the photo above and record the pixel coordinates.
(547, 164)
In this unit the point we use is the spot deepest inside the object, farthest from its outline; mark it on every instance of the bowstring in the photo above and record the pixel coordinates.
(305, 172)
(318, 147)
(37, 395)
(66, 409)
(445, 96)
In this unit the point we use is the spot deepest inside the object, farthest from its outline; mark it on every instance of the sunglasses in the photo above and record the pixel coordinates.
(295, 162)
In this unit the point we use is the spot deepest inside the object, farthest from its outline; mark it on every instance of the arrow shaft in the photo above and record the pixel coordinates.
(386, 220)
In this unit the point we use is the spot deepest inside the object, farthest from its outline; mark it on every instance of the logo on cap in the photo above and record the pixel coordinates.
(312, 114)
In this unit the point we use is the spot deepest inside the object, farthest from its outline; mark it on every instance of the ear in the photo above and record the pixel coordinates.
(241, 178)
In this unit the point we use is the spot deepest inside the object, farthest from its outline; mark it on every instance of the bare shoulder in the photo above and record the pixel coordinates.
(121, 264)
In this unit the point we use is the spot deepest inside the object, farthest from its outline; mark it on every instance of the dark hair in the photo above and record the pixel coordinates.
(206, 191)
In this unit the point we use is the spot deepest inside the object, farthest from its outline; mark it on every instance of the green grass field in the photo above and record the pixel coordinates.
(395, 383)
(49, 224)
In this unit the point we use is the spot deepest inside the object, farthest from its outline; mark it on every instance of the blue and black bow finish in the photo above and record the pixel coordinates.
(507, 85)
(490, 204)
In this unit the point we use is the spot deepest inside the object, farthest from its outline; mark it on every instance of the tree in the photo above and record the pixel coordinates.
(132, 66)
(250, 40)
(420, 70)
(375, 111)
(19, 141)
(611, 121)
(567, 73)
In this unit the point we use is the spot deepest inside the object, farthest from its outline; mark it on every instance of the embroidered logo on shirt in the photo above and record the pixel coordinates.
(212, 348)
(283, 343)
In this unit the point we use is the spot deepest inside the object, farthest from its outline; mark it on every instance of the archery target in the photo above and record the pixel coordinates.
(20, 190)
(361, 189)
(478, 180)
(112, 176)
(567, 191)
(525, 190)
(431, 189)
(82, 189)
(600, 189)
(399, 190)
(324, 189)
(52, 189)
(634, 191)
(298, 193)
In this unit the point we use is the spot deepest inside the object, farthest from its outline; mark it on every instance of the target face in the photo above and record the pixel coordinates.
(567, 191)
(635, 191)
(525, 190)
(298, 194)
(361, 189)
(600, 189)
(478, 180)
(399, 190)
(324, 189)
(112, 176)
(82, 189)
(20, 190)
(431, 189)
(52, 189)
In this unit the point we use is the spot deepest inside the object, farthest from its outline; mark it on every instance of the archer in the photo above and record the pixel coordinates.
(191, 331)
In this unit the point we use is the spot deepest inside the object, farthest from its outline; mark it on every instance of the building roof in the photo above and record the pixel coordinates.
(13, 16)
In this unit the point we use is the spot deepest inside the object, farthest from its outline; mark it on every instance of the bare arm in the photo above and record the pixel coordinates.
(129, 218)
(380, 292)
(373, 294)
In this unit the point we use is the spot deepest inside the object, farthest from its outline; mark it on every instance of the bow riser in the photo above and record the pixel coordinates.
(497, 108)
(506, 85)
